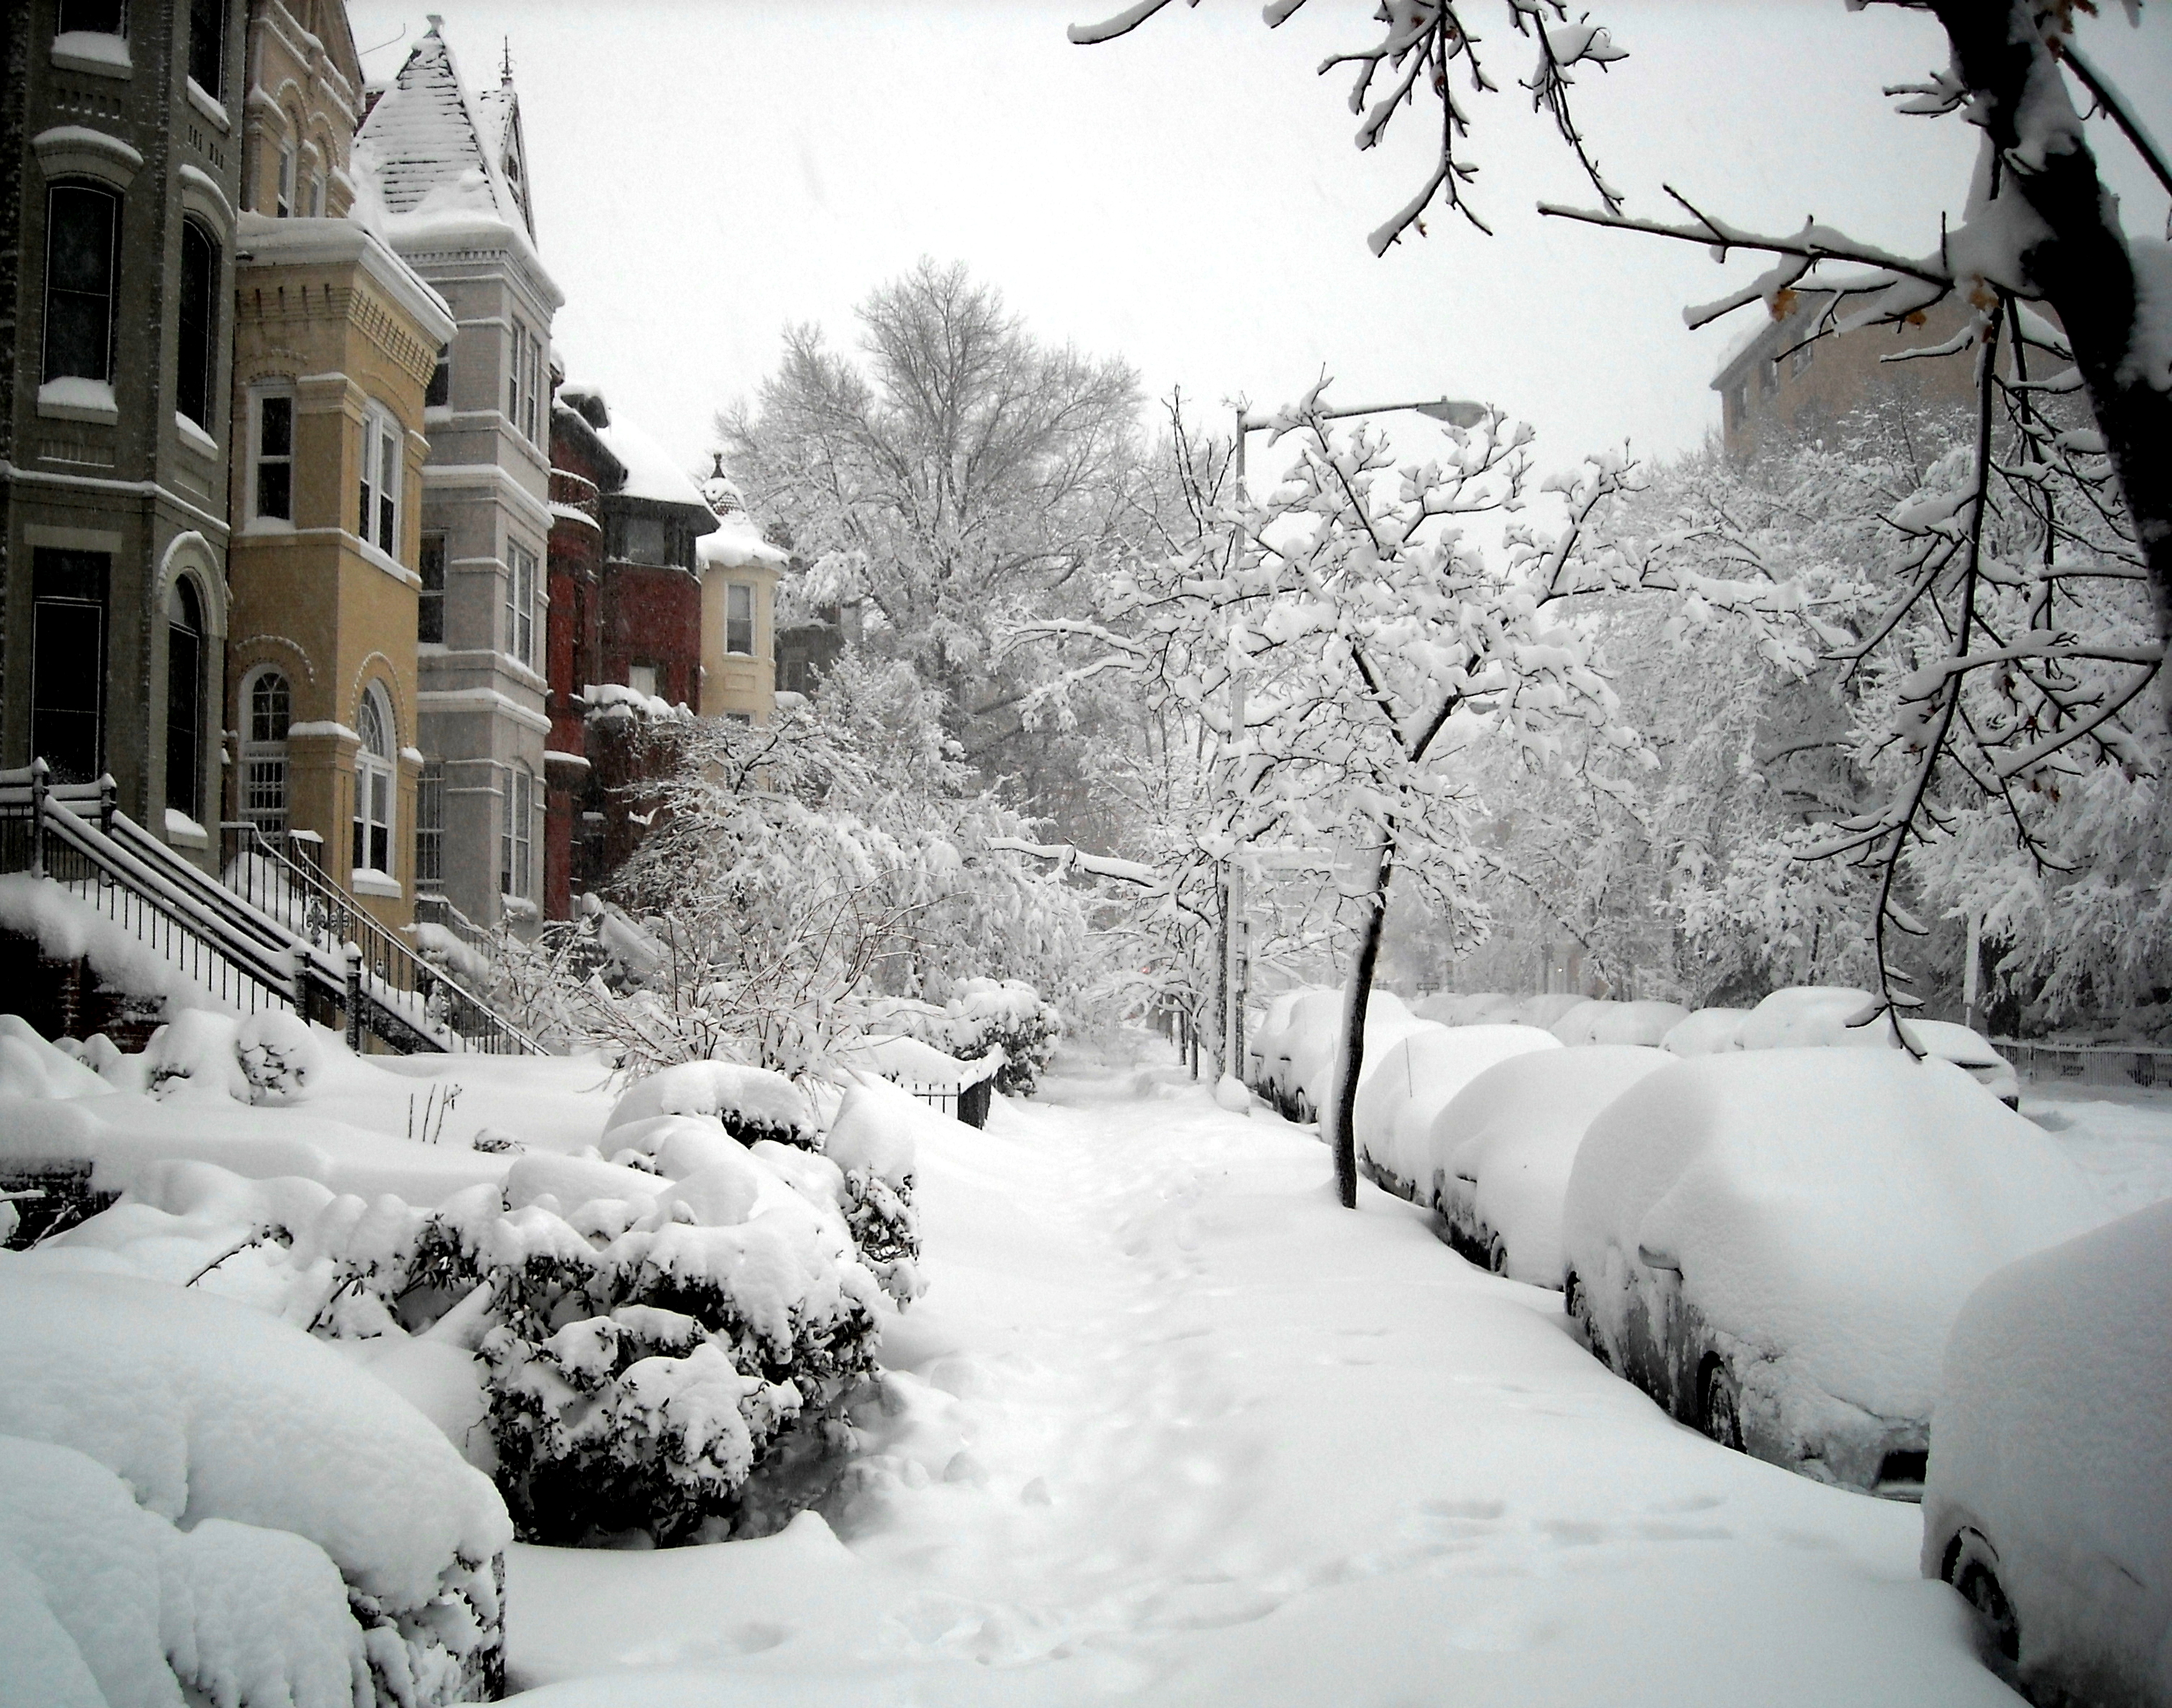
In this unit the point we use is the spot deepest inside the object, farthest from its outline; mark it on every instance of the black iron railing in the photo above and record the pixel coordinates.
(277, 933)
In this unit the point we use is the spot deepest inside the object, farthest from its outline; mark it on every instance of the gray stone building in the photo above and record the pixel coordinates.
(119, 164)
(443, 177)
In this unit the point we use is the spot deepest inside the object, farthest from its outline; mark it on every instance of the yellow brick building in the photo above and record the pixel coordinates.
(336, 341)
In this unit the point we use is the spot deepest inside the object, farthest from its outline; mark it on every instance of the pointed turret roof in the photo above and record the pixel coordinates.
(425, 134)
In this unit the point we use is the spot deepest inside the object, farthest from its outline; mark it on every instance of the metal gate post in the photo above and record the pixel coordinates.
(38, 770)
(354, 997)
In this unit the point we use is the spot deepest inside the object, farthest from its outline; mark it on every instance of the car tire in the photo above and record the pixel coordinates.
(1972, 1566)
(1578, 1305)
(1720, 1405)
(1497, 1255)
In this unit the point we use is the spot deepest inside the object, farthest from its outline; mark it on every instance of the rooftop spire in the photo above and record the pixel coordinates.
(505, 65)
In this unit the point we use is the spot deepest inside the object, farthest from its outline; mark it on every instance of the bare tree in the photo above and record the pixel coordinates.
(956, 477)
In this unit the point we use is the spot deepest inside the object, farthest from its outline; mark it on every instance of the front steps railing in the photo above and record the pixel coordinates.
(282, 934)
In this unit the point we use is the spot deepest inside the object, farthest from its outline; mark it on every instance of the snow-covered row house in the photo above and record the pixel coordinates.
(282, 548)
(120, 159)
(443, 175)
(336, 341)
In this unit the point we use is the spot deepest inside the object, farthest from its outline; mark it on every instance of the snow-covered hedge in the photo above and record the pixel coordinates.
(751, 1103)
(985, 1014)
(1006, 1014)
(198, 1494)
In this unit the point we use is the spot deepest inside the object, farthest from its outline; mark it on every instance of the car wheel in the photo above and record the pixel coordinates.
(1972, 1568)
(1578, 1304)
(1723, 1405)
(1497, 1255)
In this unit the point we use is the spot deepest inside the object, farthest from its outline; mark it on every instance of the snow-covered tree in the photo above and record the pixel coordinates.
(2039, 226)
(956, 477)
(1345, 644)
(840, 850)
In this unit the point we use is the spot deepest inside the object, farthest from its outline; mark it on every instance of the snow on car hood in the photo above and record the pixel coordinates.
(1830, 1207)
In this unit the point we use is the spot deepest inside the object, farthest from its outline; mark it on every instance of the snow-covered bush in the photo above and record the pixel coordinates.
(871, 1143)
(270, 1058)
(299, 1526)
(752, 1103)
(1006, 1014)
(31, 1068)
(279, 1057)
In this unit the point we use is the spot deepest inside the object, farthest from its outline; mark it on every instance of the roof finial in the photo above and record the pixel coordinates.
(436, 24)
(505, 66)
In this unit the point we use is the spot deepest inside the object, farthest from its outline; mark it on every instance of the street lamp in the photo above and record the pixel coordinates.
(1236, 930)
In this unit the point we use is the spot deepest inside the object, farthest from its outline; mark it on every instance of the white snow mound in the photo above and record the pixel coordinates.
(1828, 1208)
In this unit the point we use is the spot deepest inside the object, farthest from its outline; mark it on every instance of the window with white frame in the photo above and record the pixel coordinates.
(282, 201)
(266, 709)
(524, 387)
(516, 844)
(379, 519)
(272, 453)
(430, 825)
(739, 618)
(372, 783)
(82, 227)
(521, 603)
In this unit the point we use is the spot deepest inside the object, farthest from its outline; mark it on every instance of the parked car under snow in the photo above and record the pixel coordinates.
(2050, 1500)
(1774, 1243)
(1512, 1135)
(1804, 1015)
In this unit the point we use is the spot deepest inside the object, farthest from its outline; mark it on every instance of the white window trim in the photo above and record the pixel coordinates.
(251, 522)
(381, 428)
(367, 764)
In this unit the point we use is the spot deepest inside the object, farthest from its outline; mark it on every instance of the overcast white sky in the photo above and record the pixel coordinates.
(707, 171)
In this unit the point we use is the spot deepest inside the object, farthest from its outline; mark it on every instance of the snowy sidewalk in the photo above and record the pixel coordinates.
(1170, 1426)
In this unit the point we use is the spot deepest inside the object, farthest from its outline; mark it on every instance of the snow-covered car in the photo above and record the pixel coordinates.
(1598, 1021)
(1774, 1244)
(1705, 1032)
(2049, 1504)
(1514, 1132)
(1267, 1043)
(1305, 1072)
(1407, 1086)
(1832, 1015)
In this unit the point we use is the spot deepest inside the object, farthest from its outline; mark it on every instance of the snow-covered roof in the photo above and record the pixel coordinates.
(737, 544)
(427, 165)
(424, 134)
(651, 471)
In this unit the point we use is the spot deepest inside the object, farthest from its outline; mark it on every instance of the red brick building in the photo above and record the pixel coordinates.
(625, 636)
(581, 468)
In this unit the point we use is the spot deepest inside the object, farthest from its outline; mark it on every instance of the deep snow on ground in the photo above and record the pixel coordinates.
(2121, 1137)
(1170, 1426)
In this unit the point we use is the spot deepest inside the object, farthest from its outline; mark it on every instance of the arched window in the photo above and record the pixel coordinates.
(372, 783)
(266, 708)
(194, 375)
(185, 661)
(82, 221)
(517, 845)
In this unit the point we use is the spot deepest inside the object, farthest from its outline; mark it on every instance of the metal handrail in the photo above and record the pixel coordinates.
(233, 964)
(286, 943)
(407, 989)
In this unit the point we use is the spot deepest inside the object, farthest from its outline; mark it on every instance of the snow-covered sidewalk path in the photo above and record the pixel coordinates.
(1172, 1427)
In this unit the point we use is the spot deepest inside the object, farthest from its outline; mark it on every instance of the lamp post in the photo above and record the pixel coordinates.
(1235, 935)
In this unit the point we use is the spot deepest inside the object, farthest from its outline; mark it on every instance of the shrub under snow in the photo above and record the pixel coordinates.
(299, 1526)
(270, 1058)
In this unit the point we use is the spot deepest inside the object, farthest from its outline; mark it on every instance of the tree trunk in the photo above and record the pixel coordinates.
(1350, 1055)
(2085, 271)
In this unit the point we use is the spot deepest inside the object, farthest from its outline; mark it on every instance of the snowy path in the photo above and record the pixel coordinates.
(1172, 1427)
